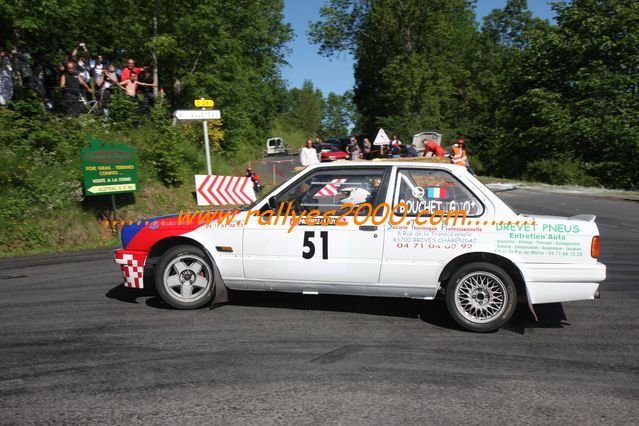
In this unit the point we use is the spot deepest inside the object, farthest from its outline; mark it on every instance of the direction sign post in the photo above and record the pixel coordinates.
(204, 103)
(203, 114)
(197, 114)
(205, 128)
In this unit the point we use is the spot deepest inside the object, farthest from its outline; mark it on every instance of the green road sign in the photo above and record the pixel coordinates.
(108, 169)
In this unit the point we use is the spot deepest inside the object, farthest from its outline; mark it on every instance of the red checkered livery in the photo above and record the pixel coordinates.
(132, 264)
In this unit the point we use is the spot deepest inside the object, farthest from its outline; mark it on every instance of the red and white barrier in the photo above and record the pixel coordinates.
(220, 190)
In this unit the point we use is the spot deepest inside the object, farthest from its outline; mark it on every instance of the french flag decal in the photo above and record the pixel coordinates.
(436, 192)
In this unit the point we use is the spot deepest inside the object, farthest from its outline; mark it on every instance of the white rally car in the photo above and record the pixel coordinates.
(416, 229)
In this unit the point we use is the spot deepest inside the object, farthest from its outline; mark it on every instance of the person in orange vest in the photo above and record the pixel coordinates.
(433, 148)
(459, 155)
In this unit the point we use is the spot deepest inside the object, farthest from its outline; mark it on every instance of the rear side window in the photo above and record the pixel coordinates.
(432, 190)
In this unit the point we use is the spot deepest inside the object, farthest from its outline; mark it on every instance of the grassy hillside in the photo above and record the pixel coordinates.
(42, 205)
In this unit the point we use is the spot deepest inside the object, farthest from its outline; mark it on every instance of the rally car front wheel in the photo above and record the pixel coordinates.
(481, 296)
(184, 277)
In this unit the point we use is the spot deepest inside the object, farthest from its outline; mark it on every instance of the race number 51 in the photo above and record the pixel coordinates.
(310, 245)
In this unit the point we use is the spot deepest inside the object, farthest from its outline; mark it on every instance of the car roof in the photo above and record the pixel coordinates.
(419, 162)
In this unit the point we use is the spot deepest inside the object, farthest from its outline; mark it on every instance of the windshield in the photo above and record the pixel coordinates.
(257, 200)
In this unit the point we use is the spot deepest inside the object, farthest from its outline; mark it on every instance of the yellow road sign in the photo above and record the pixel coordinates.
(204, 103)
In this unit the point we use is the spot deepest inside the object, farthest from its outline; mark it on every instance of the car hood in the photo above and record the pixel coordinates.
(143, 234)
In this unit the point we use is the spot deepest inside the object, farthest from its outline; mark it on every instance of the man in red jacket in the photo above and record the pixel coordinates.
(432, 147)
(130, 67)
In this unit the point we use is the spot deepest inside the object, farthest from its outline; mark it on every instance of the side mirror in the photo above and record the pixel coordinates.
(272, 203)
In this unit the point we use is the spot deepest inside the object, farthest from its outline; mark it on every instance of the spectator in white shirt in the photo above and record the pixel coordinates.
(308, 154)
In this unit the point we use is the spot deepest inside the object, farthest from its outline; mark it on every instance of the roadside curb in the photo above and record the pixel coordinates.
(9, 263)
(610, 194)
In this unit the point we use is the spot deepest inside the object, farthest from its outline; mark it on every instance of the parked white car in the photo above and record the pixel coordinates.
(483, 261)
(276, 146)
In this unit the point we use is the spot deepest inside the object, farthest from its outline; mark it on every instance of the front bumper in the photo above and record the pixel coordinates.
(132, 264)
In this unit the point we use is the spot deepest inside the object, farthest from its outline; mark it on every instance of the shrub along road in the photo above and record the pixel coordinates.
(77, 347)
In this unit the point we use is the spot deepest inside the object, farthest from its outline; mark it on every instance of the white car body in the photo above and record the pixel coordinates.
(551, 258)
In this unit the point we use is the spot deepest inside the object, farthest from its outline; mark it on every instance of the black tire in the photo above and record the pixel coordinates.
(184, 277)
(481, 297)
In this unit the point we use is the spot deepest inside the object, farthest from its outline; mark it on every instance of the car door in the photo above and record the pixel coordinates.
(337, 254)
(415, 249)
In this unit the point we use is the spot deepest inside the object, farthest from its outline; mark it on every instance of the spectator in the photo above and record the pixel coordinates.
(255, 178)
(308, 154)
(411, 151)
(131, 85)
(107, 81)
(71, 57)
(97, 67)
(353, 149)
(395, 151)
(47, 73)
(433, 149)
(367, 149)
(459, 155)
(70, 83)
(22, 60)
(6, 78)
(63, 65)
(130, 68)
(147, 90)
(318, 147)
(82, 69)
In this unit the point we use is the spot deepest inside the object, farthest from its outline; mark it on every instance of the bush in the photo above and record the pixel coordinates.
(559, 172)
(122, 111)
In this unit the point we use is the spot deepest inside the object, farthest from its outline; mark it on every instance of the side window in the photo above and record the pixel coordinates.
(432, 190)
(328, 190)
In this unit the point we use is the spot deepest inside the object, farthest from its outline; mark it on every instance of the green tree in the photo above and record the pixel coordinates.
(229, 50)
(505, 36)
(574, 97)
(338, 114)
(305, 107)
(413, 61)
(512, 25)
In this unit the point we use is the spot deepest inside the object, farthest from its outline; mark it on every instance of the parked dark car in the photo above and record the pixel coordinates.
(407, 151)
(341, 142)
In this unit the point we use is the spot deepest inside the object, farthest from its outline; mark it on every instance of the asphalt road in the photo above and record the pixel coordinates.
(76, 347)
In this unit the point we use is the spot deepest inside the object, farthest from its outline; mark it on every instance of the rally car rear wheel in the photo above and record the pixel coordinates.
(481, 296)
(184, 277)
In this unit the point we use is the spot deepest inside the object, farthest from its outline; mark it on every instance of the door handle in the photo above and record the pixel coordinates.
(368, 228)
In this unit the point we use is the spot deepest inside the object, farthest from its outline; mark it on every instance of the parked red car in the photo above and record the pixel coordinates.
(331, 153)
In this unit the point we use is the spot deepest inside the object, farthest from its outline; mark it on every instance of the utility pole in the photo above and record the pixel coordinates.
(154, 57)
